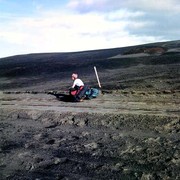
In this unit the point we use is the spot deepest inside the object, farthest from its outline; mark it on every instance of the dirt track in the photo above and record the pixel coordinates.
(119, 135)
(136, 102)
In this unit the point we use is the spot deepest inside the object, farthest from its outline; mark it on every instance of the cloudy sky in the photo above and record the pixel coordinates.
(35, 26)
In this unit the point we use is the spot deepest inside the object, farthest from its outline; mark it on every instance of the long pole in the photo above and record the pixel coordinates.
(97, 76)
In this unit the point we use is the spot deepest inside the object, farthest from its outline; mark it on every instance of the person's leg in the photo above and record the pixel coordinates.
(82, 92)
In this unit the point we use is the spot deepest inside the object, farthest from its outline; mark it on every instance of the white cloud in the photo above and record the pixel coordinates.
(104, 5)
(68, 32)
(123, 14)
(172, 6)
(62, 31)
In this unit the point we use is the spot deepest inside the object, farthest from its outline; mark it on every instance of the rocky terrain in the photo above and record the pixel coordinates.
(130, 131)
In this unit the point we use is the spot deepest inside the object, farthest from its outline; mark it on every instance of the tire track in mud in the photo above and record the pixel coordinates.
(75, 150)
(106, 103)
(44, 137)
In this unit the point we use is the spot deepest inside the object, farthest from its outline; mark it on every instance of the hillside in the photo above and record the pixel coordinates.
(152, 65)
(130, 131)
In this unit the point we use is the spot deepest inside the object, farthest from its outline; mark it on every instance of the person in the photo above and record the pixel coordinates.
(77, 83)
(78, 89)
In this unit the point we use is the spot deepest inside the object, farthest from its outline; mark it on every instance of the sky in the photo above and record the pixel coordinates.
(38, 26)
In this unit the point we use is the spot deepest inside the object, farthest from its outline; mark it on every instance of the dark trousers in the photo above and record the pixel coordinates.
(80, 94)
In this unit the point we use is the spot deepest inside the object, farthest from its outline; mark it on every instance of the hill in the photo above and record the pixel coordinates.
(152, 66)
(130, 131)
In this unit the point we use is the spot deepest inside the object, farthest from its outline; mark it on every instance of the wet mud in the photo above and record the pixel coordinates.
(104, 138)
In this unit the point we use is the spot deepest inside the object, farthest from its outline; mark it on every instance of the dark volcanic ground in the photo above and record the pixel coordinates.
(130, 131)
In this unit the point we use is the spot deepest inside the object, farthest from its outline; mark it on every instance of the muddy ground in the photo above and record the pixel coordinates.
(119, 135)
(130, 131)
